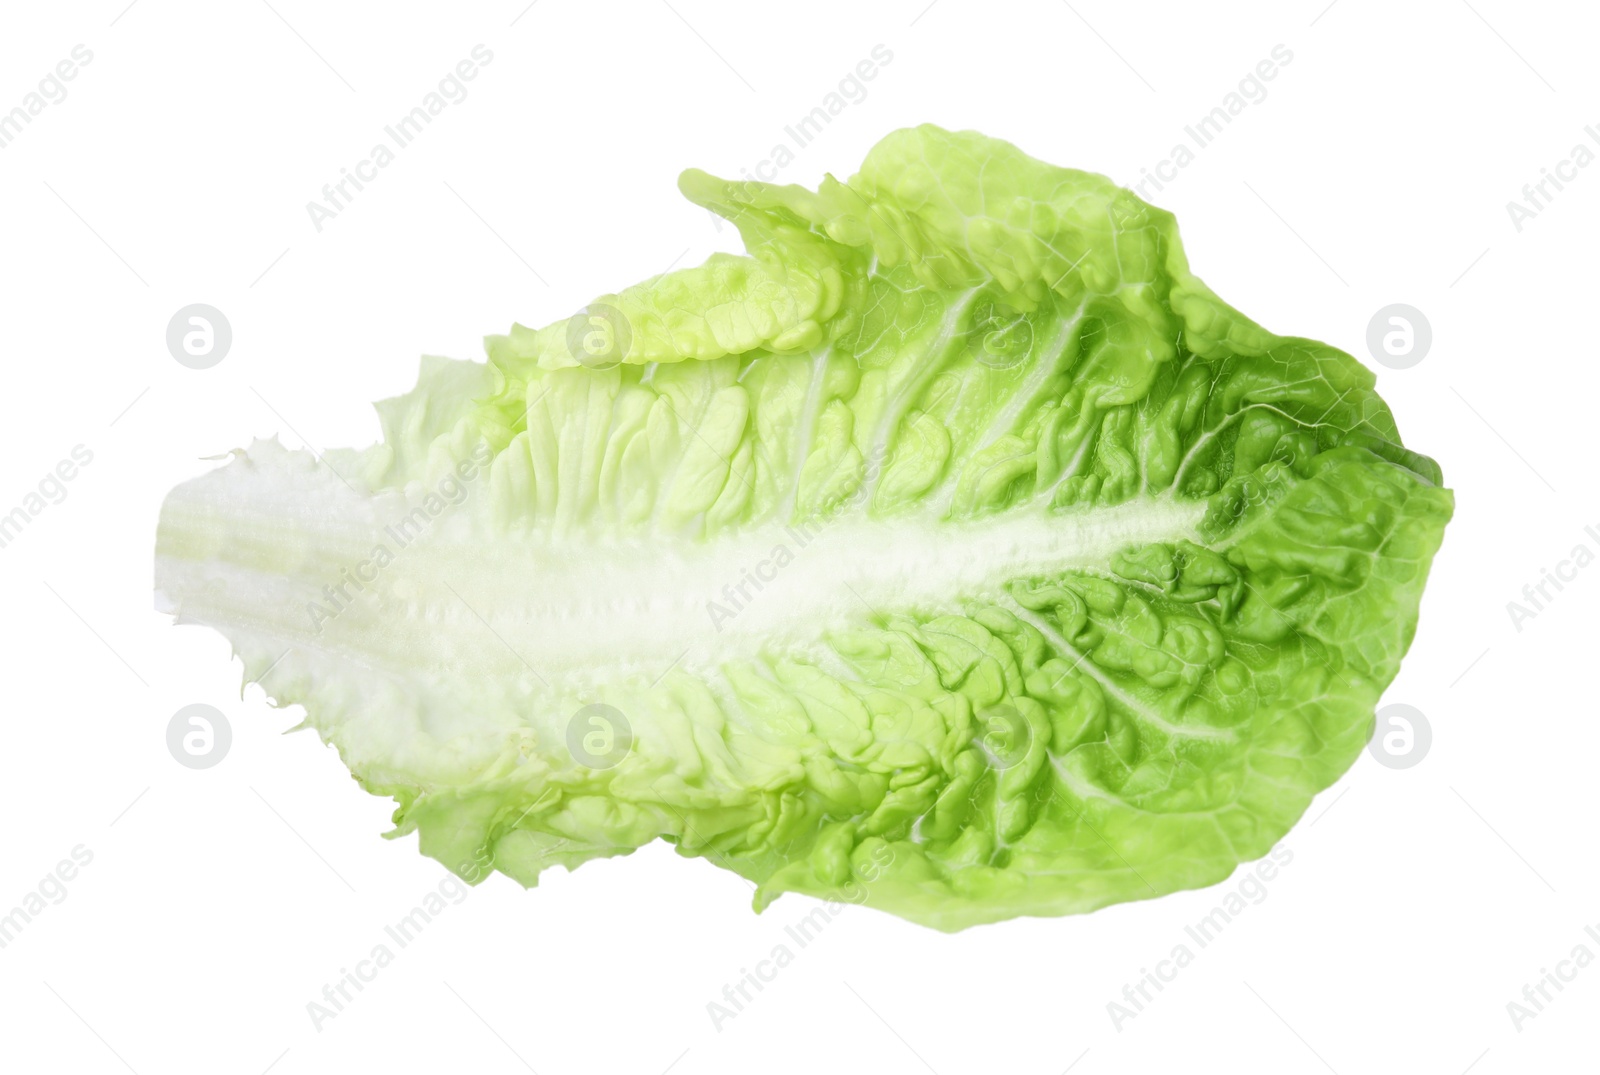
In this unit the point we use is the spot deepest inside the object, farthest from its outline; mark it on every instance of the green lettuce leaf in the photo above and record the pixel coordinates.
(956, 552)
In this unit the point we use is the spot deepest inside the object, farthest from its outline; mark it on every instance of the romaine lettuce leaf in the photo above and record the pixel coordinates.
(956, 548)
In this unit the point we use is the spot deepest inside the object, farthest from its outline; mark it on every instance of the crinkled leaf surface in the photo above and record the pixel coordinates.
(957, 549)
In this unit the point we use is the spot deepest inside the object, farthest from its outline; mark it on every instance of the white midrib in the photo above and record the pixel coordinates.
(455, 599)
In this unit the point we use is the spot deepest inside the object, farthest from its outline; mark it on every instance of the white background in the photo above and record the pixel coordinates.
(1377, 170)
